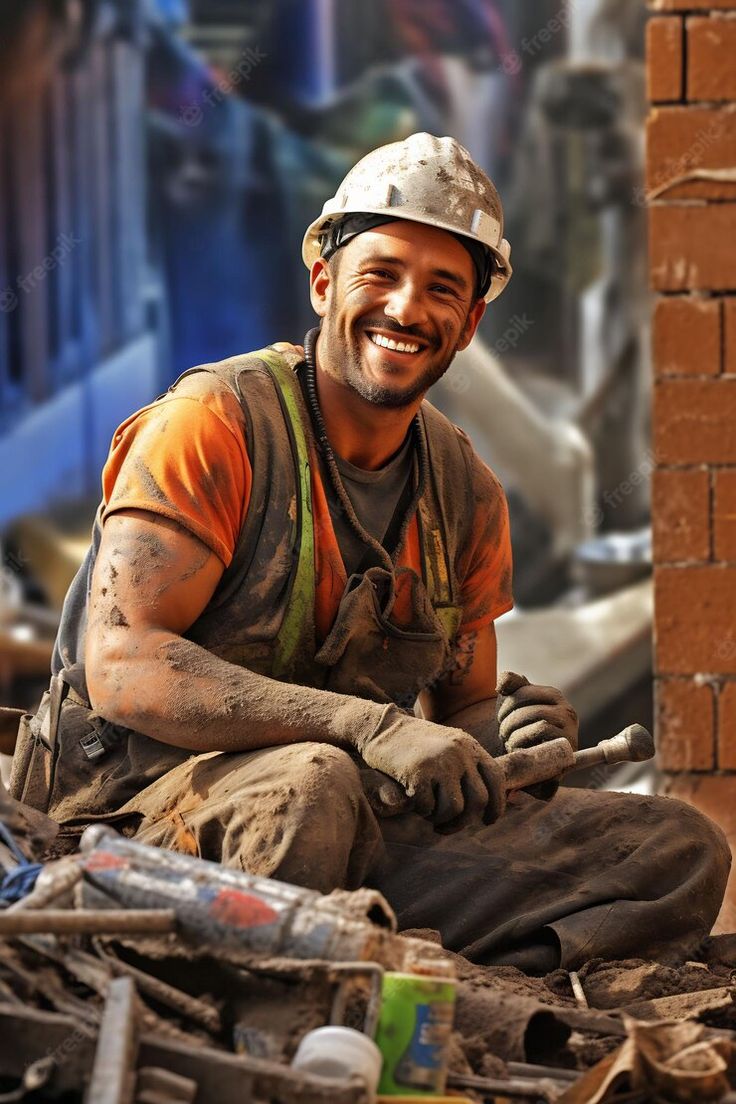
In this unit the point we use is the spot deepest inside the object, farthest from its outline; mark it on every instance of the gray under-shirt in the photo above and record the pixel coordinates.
(374, 496)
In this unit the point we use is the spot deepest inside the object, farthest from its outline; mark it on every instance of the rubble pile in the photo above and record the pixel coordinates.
(135, 975)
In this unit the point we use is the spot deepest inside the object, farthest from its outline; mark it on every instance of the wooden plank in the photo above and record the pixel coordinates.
(27, 1034)
(592, 652)
(29, 658)
(113, 1073)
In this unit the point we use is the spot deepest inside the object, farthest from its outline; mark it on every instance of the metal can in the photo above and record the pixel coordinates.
(414, 1033)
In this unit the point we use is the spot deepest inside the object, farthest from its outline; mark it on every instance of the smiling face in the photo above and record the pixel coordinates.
(396, 303)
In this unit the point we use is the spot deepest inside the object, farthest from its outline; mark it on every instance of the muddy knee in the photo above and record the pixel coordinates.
(327, 773)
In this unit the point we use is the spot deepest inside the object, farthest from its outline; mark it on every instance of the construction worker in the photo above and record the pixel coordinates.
(292, 548)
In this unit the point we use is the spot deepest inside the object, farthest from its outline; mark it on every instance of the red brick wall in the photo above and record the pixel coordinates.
(691, 66)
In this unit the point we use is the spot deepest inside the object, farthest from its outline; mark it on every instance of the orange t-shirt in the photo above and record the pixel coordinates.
(185, 457)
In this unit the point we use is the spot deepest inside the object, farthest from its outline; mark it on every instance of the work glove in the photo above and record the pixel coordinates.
(447, 775)
(386, 797)
(530, 715)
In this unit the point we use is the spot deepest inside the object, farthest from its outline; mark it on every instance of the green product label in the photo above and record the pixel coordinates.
(414, 1034)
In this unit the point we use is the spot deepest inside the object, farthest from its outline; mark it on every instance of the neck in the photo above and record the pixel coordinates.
(360, 432)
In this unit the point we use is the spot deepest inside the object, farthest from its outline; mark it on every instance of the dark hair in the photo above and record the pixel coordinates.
(342, 230)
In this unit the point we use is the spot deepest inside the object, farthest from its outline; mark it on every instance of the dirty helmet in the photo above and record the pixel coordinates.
(423, 179)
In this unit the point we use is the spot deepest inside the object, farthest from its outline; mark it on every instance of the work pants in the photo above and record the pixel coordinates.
(589, 874)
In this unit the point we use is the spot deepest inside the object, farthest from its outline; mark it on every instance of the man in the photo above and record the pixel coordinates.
(290, 551)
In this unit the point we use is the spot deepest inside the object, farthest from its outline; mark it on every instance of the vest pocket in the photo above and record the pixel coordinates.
(30, 775)
(87, 749)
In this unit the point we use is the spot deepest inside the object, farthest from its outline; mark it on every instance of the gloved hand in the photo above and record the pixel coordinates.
(529, 715)
(447, 774)
(386, 797)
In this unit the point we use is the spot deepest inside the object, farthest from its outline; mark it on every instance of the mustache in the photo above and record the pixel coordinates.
(391, 326)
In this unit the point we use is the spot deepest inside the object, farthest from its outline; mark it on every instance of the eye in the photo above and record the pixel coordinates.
(381, 273)
(443, 289)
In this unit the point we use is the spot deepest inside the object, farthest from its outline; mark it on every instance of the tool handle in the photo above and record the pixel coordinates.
(527, 766)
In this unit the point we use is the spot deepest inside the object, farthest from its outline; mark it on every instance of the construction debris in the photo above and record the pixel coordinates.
(133, 975)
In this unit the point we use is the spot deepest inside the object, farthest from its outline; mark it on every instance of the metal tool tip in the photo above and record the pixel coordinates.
(641, 743)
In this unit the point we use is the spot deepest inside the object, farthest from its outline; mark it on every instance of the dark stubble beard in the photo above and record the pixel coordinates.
(352, 375)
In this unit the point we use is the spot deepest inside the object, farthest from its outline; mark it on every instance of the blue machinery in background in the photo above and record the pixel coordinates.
(151, 208)
(78, 343)
(149, 222)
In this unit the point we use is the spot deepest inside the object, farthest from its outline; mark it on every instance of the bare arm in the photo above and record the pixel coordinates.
(466, 697)
(151, 581)
(526, 715)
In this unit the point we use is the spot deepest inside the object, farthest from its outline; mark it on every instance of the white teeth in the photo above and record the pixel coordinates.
(389, 343)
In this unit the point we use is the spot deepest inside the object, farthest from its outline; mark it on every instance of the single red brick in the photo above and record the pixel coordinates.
(729, 307)
(724, 515)
(693, 618)
(684, 725)
(727, 727)
(711, 49)
(682, 139)
(695, 421)
(664, 58)
(690, 247)
(686, 336)
(680, 515)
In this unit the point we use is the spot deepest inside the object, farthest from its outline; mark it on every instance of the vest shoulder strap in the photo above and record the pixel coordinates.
(446, 511)
(278, 434)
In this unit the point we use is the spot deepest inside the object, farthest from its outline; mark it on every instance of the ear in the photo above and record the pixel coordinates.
(320, 279)
(477, 311)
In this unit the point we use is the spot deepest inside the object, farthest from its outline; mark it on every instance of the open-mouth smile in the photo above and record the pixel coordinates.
(407, 346)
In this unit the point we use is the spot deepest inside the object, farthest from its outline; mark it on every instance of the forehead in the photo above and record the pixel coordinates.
(412, 242)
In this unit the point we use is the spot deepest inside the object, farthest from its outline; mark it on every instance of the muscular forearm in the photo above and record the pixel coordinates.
(177, 692)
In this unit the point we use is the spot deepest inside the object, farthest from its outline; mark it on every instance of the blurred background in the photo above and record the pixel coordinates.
(159, 162)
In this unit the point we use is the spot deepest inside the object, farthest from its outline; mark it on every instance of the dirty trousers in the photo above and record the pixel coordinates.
(586, 875)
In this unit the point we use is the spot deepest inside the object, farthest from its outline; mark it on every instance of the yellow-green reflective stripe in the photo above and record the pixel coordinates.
(299, 616)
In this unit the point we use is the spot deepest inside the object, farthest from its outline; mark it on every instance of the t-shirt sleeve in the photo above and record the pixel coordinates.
(485, 566)
(184, 458)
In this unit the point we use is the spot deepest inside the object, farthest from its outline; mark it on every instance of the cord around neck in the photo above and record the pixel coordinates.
(386, 559)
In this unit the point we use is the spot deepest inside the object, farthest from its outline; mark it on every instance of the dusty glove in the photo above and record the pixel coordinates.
(447, 774)
(386, 797)
(529, 715)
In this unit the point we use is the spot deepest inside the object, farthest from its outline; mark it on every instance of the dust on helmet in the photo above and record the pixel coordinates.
(423, 179)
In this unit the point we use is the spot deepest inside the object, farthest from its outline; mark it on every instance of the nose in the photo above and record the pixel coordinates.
(404, 304)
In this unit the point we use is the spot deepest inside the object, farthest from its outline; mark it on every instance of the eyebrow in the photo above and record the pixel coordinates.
(440, 273)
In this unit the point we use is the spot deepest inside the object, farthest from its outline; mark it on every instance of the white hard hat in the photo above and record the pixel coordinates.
(423, 179)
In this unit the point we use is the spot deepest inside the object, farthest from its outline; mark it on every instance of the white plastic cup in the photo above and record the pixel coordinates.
(340, 1052)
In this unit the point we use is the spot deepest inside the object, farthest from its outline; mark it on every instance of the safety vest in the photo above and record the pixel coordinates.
(261, 615)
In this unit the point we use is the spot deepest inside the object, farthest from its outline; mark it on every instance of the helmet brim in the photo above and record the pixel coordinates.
(311, 249)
